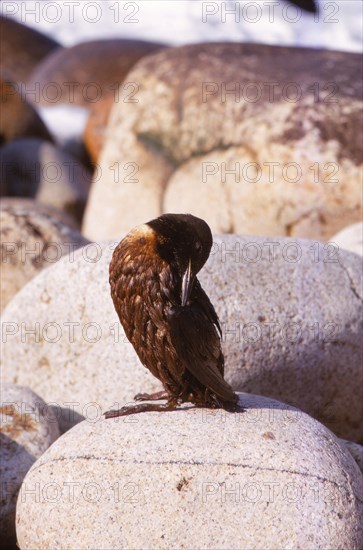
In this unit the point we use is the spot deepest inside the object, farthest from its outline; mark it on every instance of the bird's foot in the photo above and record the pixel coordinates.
(151, 396)
(143, 407)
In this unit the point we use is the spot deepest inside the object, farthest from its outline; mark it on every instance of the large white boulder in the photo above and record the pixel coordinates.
(269, 477)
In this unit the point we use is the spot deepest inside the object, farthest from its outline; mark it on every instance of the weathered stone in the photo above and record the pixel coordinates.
(24, 205)
(38, 169)
(355, 450)
(350, 238)
(28, 427)
(31, 239)
(22, 48)
(213, 185)
(269, 477)
(18, 118)
(291, 315)
(97, 68)
(265, 139)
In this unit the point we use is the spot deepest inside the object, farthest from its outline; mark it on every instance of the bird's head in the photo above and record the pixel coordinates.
(184, 241)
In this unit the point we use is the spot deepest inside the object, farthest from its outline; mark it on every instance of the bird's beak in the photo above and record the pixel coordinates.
(187, 284)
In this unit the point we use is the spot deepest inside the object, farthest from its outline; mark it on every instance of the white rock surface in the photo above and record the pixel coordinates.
(355, 450)
(27, 428)
(257, 146)
(270, 477)
(350, 238)
(292, 330)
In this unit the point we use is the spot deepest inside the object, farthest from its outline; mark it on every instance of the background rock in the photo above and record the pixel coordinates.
(292, 324)
(28, 428)
(22, 48)
(24, 205)
(355, 450)
(35, 168)
(94, 133)
(18, 118)
(350, 238)
(271, 477)
(97, 68)
(203, 110)
(31, 239)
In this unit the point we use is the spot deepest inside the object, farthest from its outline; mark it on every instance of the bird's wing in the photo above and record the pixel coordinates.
(201, 297)
(197, 345)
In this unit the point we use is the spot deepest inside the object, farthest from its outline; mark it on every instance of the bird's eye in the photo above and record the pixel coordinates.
(197, 246)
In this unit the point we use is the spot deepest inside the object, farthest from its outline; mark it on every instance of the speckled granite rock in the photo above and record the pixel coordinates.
(31, 239)
(260, 139)
(355, 450)
(350, 238)
(21, 204)
(38, 169)
(270, 477)
(290, 311)
(27, 428)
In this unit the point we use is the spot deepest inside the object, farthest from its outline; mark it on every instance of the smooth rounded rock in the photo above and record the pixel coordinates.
(243, 192)
(28, 427)
(355, 450)
(85, 73)
(37, 169)
(18, 118)
(22, 48)
(263, 139)
(31, 239)
(269, 477)
(290, 311)
(350, 238)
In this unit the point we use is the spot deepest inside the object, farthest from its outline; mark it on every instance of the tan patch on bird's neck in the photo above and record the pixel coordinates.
(144, 230)
(144, 236)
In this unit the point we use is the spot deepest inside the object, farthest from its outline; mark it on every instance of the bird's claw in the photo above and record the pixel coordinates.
(117, 412)
(151, 396)
(141, 397)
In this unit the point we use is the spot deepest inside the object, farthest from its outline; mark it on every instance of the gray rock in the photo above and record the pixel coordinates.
(270, 477)
(355, 450)
(31, 239)
(260, 139)
(37, 169)
(291, 321)
(27, 428)
(350, 238)
(21, 204)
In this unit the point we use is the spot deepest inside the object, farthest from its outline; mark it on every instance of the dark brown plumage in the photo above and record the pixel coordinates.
(166, 314)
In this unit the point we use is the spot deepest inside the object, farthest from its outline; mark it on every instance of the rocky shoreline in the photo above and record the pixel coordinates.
(276, 172)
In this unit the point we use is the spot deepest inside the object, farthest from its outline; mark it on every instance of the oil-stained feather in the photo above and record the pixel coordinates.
(197, 345)
(204, 302)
